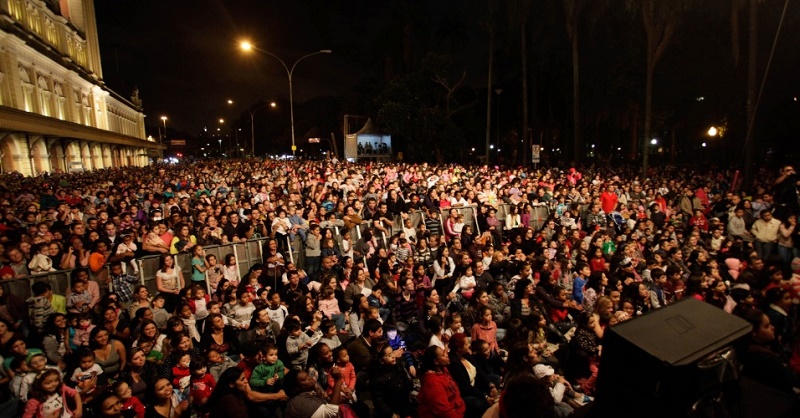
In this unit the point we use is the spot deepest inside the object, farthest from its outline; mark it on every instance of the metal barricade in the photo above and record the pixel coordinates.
(468, 212)
(247, 253)
(538, 217)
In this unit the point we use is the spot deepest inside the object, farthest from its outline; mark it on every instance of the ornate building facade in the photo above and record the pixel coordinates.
(56, 113)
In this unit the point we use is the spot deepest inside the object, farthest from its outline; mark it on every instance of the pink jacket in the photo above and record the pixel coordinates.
(329, 307)
(32, 407)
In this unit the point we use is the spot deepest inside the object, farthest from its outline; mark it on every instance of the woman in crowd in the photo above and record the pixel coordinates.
(139, 374)
(439, 396)
(164, 403)
(228, 397)
(473, 386)
(169, 281)
(109, 353)
(56, 340)
(390, 385)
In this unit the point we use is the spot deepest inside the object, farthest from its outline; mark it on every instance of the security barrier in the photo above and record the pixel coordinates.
(468, 212)
(247, 253)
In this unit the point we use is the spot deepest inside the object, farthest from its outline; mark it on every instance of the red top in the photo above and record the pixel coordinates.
(439, 397)
(135, 404)
(608, 200)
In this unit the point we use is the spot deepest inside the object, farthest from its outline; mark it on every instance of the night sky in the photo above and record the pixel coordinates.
(184, 58)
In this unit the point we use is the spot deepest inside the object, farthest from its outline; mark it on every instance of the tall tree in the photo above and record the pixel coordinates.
(752, 93)
(519, 12)
(490, 24)
(572, 13)
(660, 19)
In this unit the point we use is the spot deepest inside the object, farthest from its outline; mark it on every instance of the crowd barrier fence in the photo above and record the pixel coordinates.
(247, 253)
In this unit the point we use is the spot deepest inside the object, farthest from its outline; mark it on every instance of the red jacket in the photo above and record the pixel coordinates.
(439, 397)
(133, 403)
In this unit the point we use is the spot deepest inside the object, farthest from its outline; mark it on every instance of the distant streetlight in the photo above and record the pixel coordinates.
(230, 101)
(247, 46)
(222, 120)
(712, 131)
(252, 125)
(220, 145)
(163, 119)
(654, 141)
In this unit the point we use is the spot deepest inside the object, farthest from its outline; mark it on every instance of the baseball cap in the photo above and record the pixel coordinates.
(541, 371)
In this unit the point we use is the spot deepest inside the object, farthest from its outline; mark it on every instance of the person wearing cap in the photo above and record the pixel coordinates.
(559, 388)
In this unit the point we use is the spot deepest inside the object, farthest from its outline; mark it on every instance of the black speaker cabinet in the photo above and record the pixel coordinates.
(677, 361)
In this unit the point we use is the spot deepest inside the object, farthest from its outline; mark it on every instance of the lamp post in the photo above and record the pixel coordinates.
(247, 46)
(163, 119)
(252, 126)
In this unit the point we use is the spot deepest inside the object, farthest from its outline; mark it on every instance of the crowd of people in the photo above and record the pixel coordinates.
(397, 306)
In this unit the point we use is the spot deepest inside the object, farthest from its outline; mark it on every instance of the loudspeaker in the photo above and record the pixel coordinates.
(677, 361)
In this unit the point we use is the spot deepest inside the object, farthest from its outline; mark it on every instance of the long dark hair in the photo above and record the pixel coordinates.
(226, 385)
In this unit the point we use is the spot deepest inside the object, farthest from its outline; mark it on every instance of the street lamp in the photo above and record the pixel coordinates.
(712, 131)
(247, 46)
(164, 119)
(252, 126)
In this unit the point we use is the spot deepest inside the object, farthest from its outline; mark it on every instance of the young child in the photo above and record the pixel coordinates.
(268, 376)
(189, 321)
(217, 363)
(330, 335)
(277, 312)
(150, 354)
(181, 373)
(231, 270)
(20, 368)
(37, 363)
(298, 343)
(160, 315)
(330, 307)
(214, 271)
(466, 284)
(83, 330)
(397, 343)
(129, 402)
(458, 225)
(39, 305)
(122, 283)
(79, 300)
(199, 264)
(486, 329)
(87, 370)
(126, 251)
(201, 384)
(199, 303)
(48, 397)
(453, 325)
(560, 315)
(342, 359)
(262, 298)
(486, 361)
(41, 262)
(376, 300)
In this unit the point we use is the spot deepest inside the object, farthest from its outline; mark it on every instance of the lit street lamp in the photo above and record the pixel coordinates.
(712, 131)
(163, 119)
(247, 46)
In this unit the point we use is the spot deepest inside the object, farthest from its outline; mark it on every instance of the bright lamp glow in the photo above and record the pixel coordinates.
(712, 131)
(245, 45)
